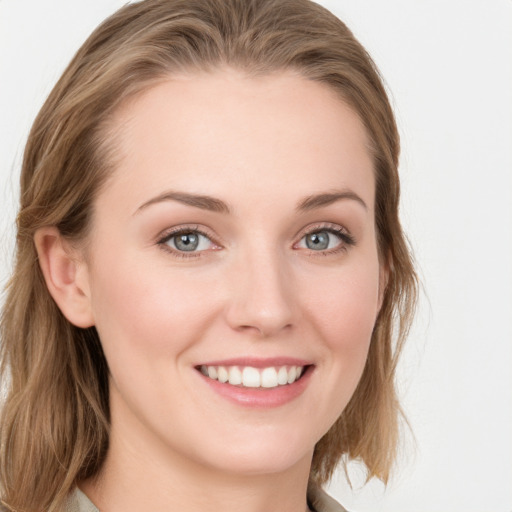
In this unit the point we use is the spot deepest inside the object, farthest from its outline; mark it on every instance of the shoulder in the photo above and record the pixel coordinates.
(321, 501)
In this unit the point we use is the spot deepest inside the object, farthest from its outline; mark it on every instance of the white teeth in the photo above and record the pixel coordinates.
(223, 374)
(269, 378)
(235, 376)
(282, 376)
(250, 377)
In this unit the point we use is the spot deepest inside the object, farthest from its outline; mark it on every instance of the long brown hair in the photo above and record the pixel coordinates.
(55, 420)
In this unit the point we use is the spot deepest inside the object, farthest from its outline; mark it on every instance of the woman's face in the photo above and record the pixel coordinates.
(236, 239)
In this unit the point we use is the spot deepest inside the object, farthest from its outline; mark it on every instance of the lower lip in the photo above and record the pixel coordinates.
(260, 397)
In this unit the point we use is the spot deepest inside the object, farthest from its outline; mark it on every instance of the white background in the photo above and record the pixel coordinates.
(448, 65)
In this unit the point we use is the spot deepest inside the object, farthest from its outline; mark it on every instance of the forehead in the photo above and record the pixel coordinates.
(221, 133)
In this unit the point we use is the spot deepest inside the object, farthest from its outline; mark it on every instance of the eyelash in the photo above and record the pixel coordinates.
(346, 239)
(183, 230)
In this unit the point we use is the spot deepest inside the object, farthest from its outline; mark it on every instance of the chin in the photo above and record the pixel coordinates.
(263, 463)
(259, 454)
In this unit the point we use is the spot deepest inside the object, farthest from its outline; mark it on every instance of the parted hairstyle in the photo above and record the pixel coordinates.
(54, 426)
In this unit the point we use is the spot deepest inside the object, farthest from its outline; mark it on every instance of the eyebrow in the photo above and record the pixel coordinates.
(326, 198)
(213, 204)
(197, 200)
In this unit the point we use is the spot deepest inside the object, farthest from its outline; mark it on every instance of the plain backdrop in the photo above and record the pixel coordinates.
(448, 67)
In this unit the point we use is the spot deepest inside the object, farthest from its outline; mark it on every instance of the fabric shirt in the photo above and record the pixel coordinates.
(321, 502)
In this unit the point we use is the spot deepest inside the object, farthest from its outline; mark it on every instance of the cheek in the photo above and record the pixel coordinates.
(342, 314)
(345, 315)
(145, 310)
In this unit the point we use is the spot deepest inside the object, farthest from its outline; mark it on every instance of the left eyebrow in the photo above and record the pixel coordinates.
(326, 198)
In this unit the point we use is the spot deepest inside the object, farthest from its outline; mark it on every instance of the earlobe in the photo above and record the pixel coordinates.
(65, 275)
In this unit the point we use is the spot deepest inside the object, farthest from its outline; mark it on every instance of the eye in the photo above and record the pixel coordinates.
(319, 241)
(187, 241)
(326, 240)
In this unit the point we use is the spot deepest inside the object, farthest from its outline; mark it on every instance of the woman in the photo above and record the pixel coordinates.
(212, 286)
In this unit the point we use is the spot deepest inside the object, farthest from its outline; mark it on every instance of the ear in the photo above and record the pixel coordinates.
(66, 276)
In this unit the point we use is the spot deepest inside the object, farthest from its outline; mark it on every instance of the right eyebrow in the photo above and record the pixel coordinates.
(197, 200)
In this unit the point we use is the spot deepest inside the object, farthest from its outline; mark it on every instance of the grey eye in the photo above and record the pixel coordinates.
(186, 241)
(318, 241)
(191, 241)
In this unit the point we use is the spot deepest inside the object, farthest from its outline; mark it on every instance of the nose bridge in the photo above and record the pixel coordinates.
(262, 295)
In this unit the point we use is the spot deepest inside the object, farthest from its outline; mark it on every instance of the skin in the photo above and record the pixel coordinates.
(255, 289)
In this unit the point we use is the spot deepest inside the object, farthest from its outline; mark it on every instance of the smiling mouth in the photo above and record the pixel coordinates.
(250, 377)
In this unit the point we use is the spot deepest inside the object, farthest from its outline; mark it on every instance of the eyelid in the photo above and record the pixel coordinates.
(347, 239)
(319, 226)
(164, 236)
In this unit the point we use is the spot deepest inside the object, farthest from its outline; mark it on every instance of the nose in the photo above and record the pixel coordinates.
(261, 295)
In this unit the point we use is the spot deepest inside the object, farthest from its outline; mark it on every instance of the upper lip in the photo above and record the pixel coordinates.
(257, 362)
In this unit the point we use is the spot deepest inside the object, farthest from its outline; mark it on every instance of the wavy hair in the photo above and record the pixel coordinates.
(54, 426)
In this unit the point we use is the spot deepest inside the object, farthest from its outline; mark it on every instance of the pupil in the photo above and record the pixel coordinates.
(318, 241)
(187, 242)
